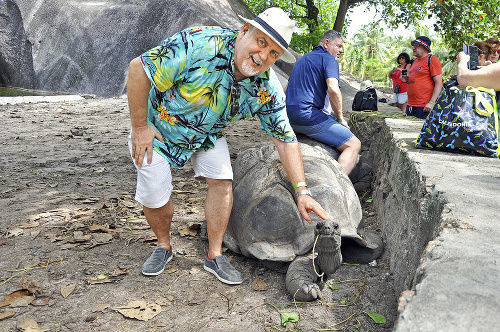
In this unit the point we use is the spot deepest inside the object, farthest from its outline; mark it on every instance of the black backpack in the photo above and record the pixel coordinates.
(365, 100)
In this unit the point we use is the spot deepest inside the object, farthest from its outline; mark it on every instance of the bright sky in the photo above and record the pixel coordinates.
(360, 16)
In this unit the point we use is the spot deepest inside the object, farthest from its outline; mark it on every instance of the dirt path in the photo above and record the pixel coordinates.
(72, 234)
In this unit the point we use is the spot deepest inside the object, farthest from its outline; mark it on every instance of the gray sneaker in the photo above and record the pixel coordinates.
(223, 270)
(155, 264)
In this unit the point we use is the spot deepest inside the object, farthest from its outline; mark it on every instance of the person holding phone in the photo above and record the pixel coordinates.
(425, 79)
(486, 77)
(400, 95)
(484, 51)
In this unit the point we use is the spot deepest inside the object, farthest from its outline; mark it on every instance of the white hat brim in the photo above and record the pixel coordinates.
(286, 56)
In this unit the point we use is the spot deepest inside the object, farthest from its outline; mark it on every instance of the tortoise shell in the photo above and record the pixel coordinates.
(265, 222)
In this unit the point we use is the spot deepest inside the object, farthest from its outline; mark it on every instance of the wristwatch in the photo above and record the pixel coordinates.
(303, 192)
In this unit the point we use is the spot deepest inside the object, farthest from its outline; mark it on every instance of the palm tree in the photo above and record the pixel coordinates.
(375, 46)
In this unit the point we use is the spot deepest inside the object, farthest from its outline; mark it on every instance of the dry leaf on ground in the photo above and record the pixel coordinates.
(259, 285)
(139, 310)
(31, 285)
(191, 230)
(22, 301)
(101, 238)
(15, 232)
(195, 270)
(66, 290)
(6, 314)
(10, 298)
(29, 325)
(42, 300)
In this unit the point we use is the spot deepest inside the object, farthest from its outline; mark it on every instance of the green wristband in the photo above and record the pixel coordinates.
(300, 184)
(431, 102)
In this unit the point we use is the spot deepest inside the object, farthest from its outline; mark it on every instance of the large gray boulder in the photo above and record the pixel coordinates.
(85, 47)
(16, 63)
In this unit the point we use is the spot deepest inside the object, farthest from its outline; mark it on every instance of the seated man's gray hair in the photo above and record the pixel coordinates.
(330, 35)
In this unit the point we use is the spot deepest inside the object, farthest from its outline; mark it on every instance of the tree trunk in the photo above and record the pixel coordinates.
(341, 12)
(339, 20)
(312, 14)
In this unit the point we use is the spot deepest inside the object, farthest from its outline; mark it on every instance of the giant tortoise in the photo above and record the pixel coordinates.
(266, 224)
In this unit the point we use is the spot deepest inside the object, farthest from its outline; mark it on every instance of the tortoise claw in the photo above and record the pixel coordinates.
(308, 292)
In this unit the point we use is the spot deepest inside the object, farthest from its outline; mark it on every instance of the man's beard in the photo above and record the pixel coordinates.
(247, 66)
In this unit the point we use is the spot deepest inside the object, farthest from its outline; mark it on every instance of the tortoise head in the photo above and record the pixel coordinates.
(327, 227)
(328, 246)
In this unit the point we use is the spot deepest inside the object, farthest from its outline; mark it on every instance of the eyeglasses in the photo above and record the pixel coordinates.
(235, 98)
(497, 51)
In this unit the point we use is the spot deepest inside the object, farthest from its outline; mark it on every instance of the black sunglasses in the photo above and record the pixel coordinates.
(235, 98)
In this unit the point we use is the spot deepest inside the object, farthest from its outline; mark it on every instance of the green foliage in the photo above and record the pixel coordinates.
(289, 318)
(10, 91)
(456, 21)
(370, 54)
(308, 31)
(377, 318)
(469, 21)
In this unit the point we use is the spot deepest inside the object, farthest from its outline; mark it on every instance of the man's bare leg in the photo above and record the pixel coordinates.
(160, 220)
(217, 210)
(349, 154)
(218, 206)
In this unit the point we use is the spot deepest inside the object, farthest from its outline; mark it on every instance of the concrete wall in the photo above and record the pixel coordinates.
(408, 210)
(439, 216)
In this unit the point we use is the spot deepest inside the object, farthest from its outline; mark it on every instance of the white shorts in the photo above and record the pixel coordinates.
(400, 98)
(154, 181)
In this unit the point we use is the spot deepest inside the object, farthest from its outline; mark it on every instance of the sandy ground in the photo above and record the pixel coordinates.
(71, 233)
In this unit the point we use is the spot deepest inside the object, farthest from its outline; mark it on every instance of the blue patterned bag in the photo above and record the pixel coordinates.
(463, 121)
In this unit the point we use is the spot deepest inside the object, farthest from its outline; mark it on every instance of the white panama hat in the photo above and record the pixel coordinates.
(275, 23)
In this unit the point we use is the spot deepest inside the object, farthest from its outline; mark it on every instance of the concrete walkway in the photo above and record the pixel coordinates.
(444, 236)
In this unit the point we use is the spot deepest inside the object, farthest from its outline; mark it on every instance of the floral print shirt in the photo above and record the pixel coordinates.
(190, 99)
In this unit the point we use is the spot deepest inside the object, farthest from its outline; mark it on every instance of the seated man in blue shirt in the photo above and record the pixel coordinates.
(315, 77)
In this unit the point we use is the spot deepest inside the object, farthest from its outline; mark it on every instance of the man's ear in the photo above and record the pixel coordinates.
(245, 28)
(325, 43)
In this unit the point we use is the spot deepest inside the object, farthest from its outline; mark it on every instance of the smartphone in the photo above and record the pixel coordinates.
(473, 53)
(404, 72)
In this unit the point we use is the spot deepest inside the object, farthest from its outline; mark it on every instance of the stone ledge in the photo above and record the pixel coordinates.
(439, 216)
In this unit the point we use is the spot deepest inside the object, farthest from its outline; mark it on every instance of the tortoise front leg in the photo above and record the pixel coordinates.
(301, 280)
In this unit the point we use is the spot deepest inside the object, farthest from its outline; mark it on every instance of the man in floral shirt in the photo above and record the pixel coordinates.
(181, 96)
